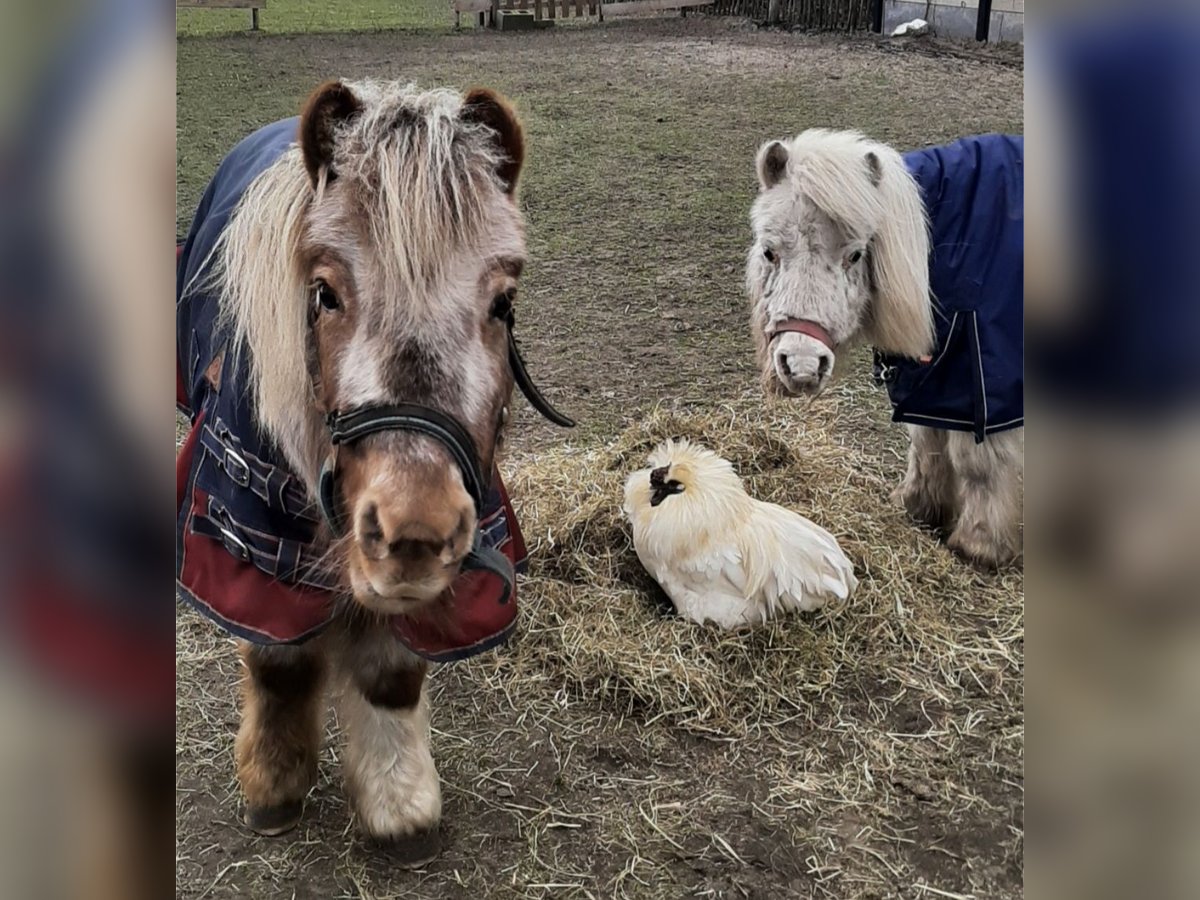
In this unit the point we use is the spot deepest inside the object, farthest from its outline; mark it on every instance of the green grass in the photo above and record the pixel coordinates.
(306, 16)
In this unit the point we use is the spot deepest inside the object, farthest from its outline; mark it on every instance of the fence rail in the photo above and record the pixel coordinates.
(253, 5)
(551, 9)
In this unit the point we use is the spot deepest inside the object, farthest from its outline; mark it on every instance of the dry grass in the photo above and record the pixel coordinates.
(591, 614)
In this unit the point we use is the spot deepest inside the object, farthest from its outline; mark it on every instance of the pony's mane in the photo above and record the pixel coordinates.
(421, 179)
(832, 169)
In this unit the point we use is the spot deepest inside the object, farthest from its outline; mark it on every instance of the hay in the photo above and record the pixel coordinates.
(593, 618)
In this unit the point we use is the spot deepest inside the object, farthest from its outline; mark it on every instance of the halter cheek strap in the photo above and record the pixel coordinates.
(802, 326)
(482, 558)
(525, 383)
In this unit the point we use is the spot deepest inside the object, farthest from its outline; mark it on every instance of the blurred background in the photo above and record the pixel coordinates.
(1113, 483)
(86, 647)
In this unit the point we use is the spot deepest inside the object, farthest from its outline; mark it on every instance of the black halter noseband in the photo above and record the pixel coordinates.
(349, 427)
(354, 425)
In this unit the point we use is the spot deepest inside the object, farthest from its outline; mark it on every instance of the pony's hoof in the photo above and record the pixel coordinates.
(272, 821)
(925, 510)
(987, 556)
(412, 850)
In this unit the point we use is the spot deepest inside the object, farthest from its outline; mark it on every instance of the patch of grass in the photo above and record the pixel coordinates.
(308, 16)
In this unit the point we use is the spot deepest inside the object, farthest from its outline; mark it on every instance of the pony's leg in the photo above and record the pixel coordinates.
(989, 476)
(390, 773)
(280, 735)
(928, 491)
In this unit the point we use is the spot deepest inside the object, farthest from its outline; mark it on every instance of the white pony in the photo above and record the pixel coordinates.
(842, 252)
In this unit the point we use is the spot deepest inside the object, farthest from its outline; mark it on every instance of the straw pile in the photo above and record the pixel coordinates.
(594, 620)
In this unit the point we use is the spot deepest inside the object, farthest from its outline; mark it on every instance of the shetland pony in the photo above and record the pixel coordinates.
(348, 389)
(922, 256)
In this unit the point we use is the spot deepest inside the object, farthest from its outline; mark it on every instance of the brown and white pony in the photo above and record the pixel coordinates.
(841, 253)
(373, 264)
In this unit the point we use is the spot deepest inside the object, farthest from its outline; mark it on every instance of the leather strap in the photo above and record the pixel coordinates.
(525, 383)
(348, 427)
(352, 426)
(802, 326)
(488, 559)
(274, 485)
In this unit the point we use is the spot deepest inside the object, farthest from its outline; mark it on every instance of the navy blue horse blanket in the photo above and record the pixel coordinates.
(973, 191)
(249, 544)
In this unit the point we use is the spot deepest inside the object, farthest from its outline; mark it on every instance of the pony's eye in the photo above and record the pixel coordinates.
(854, 257)
(502, 305)
(769, 254)
(325, 298)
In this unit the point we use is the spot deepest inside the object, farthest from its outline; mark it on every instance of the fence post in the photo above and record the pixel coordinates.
(983, 20)
(877, 16)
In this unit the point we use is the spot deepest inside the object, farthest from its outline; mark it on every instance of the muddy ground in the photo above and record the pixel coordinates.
(641, 136)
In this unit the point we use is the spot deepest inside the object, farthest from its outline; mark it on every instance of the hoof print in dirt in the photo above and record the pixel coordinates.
(272, 821)
(410, 851)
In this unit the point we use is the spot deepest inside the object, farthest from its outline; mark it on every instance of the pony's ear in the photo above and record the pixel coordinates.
(874, 168)
(901, 315)
(330, 105)
(772, 164)
(486, 107)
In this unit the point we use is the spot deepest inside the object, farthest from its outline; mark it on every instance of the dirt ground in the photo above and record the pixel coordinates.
(641, 136)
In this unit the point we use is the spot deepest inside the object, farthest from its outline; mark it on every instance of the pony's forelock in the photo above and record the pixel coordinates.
(431, 181)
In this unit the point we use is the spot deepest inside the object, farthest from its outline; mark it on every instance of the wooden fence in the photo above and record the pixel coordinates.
(253, 5)
(542, 9)
(818, 15)
(487, 10)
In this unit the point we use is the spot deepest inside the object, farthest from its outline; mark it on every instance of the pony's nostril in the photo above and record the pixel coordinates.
(369, 529)
(784, 368)
(408, 535)
(822, 366)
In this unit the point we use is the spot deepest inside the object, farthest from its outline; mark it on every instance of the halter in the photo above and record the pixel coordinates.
(354, 425)
(803, 326)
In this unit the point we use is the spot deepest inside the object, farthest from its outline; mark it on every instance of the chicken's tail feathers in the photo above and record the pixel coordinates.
(810, 567)
(829, 584)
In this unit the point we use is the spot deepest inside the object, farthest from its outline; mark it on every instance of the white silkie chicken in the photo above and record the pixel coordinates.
(721, 555)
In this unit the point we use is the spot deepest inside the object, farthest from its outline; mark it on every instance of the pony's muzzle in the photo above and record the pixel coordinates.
(802, 364)
(413, 523)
